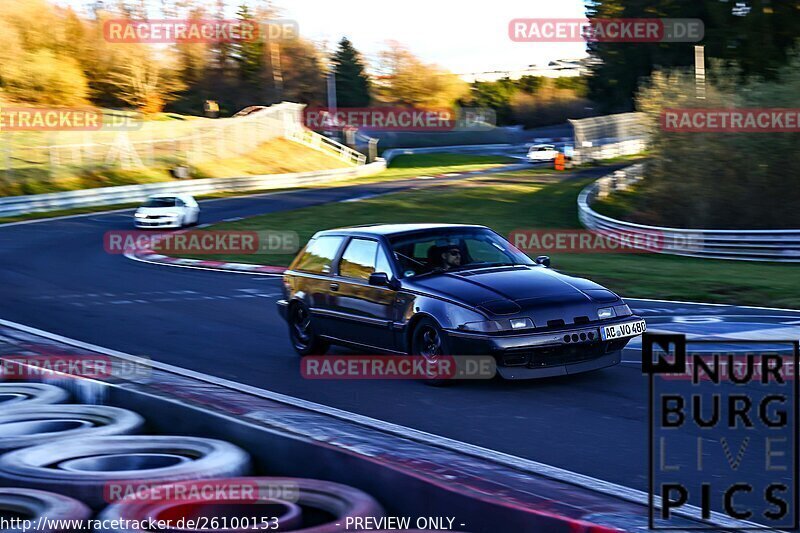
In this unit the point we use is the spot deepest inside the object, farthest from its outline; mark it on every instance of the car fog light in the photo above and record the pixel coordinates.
(606, 312)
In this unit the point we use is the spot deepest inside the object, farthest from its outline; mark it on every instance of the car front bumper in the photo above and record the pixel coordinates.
(569, 350)
(163, 223)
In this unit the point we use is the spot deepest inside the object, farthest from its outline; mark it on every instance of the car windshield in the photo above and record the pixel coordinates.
(448, 250)
(160, 202)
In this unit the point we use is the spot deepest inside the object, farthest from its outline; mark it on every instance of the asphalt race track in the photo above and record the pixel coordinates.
(57, 277)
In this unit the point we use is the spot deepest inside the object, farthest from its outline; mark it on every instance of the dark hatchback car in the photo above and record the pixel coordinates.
(433, 289)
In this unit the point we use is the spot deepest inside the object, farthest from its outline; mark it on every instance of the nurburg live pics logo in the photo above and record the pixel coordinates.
(723, 445)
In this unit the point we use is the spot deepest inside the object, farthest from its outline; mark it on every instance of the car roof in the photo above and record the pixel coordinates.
(390, 230)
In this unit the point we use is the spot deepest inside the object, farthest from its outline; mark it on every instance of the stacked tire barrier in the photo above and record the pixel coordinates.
(62, 461)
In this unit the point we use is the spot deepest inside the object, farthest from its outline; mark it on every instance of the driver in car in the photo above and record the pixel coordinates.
(451, 258)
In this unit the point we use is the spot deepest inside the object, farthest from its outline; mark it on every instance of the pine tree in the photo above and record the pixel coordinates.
(352, 82)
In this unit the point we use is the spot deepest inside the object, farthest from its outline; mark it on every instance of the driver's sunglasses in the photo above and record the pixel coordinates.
(454, 253)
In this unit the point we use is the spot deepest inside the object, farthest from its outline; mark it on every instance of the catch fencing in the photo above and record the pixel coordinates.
(609, 136)
(130, 143)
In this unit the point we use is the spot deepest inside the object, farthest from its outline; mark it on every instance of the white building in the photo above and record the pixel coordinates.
(555, 69)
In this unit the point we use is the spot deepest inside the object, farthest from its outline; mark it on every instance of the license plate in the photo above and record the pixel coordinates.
(620, 331)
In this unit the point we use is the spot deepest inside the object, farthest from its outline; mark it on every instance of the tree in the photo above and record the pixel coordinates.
(352, 82)
(756, 35)
(303, 77)
(409, 81)
(145, 83)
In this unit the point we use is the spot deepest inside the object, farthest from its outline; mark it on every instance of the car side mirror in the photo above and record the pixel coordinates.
(382, 279)
(543, 260)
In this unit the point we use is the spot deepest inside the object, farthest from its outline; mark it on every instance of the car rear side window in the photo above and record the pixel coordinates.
(358, 260)
(319, 254)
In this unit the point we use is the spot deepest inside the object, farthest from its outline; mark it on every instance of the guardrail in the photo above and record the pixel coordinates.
(16, 205)
(740, 245)
(390, 154)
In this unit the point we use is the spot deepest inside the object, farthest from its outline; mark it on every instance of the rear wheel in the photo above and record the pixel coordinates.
(428, 341)
(301, 330)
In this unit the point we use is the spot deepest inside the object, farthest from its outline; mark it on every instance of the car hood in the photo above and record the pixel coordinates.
(512, 290)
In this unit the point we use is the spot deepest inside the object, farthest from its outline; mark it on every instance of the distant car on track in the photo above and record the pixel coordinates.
(542, 152)
(167, 211)
(432, 290)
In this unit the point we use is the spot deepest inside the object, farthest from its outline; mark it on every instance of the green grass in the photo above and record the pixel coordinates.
(542, 202)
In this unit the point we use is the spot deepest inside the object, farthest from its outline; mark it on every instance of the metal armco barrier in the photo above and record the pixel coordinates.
(740, 245)
(16, 205)
(465, 149)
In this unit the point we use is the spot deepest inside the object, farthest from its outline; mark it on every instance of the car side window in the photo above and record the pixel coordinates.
(319, 255)
(358, 260)
(382, 263)
(179, 202)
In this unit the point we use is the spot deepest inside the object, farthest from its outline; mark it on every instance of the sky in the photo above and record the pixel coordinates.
(462, 36)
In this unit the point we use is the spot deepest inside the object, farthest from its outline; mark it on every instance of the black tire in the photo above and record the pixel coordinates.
(316, 498)
(16, 395)
(33, 504)
(428, 341)
(301, 332)
(86, 468)
(45, 423)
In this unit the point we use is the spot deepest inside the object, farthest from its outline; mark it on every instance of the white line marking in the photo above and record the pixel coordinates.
(479, 452)
(714, 305)
(359, 198)
(65, 217)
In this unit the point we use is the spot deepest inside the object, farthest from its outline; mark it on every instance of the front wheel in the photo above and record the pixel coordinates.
(301, 331)
(428, 341)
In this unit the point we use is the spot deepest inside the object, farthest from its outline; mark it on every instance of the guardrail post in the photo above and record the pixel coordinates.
(373, 149)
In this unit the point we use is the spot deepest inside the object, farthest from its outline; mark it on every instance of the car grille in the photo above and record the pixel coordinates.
(565, 355)
(556, 355)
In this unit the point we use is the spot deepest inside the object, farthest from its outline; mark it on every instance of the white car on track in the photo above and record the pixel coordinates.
(542, 152)
(167, 211)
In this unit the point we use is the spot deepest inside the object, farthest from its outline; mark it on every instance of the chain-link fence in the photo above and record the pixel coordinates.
(128, 143)
(609, 136)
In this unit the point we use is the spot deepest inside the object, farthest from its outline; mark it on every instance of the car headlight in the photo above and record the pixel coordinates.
(495, 326)
(605, 313)
(139, 215)
(623, 310)
(486, 326)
